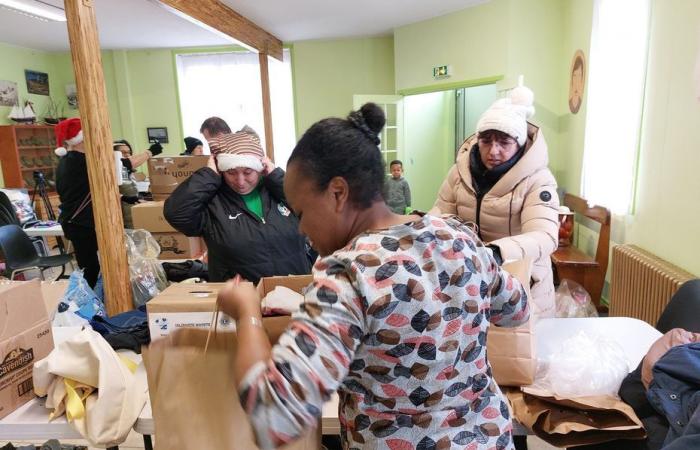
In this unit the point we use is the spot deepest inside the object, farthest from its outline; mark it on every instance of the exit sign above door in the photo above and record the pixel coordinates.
(441, 72)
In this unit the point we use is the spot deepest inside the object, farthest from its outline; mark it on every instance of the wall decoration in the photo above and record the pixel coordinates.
(37, 82)
(72, 96)
(577, 81)
(8, 93)
(159, 133)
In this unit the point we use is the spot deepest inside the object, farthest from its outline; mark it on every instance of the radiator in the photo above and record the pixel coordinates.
(642, 283)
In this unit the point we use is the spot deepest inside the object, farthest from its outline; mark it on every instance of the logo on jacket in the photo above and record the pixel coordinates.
(235, 217)
(283, 210)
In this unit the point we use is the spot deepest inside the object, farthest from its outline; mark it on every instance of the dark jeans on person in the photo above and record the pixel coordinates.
(84, 241)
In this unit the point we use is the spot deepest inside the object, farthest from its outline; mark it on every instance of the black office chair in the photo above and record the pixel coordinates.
(20, 254)
(8, 216)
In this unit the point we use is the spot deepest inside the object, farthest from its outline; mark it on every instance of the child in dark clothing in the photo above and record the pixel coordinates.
(398, 193)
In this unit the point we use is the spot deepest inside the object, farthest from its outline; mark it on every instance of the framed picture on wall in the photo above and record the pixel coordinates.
(37, 82)
(8, 93)
(157, 133)
(72, 96)
(577, 81)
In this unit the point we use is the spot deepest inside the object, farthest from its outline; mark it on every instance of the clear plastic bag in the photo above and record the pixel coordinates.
(585, 365)
(79, 303)
(145, 271)
(573, 300)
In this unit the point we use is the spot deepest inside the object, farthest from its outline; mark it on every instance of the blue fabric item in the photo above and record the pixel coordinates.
(675, 393)
(120, 323)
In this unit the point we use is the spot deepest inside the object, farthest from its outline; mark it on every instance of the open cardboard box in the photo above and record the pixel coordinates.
(192, 305)
(25, 337)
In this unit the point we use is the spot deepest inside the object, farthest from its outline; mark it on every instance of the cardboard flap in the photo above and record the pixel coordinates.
(21, 307)
(297, 283)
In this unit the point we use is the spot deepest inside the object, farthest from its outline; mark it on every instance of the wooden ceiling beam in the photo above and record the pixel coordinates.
(217, 16)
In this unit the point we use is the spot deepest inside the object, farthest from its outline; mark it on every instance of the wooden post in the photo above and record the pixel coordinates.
(87, 63)
(267, 106)
(216, 16)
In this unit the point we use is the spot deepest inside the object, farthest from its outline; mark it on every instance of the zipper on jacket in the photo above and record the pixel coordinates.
(478, 216)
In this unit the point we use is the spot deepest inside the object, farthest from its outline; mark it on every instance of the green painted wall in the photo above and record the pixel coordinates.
(15, 60)
(471, 41)
(501, 38)
(328, 73)
(578, 18)
(428, 151)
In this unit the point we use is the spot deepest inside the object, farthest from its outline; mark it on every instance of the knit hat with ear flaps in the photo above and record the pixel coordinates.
(239, 149)
(67, 132)
(509, 115)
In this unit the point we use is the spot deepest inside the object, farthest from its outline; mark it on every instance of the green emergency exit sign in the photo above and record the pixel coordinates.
(440, 72)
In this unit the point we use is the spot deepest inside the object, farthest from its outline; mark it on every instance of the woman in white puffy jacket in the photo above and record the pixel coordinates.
(502, 183)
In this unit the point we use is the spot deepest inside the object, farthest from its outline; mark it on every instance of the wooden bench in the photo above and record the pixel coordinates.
(573, 264)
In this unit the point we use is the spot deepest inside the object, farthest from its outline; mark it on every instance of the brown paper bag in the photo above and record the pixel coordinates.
(578, 421)
(511, 351)
(194, 397)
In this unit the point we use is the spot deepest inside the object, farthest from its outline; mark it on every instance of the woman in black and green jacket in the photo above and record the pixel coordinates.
(237, 205)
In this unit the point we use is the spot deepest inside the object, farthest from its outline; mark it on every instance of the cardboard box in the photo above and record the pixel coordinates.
(177, 246)
(297, 283)
(52, 292)
(159, 197)
(192, 305)
(167, 172)
(149, 216)
(26, 337)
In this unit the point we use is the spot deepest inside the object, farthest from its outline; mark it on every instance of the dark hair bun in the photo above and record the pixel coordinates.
(374, 117)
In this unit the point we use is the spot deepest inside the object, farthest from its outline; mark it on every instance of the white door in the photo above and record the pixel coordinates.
(391, 137)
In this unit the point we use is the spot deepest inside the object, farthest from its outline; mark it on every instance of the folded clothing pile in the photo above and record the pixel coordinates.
(127, 330)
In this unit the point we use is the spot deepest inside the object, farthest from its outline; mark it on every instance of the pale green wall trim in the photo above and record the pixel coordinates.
(450, 86)
(295, 97)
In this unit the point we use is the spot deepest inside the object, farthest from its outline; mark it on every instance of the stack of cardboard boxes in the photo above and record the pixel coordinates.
(166, 173)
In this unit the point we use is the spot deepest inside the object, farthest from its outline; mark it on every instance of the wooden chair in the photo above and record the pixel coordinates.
(570, 262)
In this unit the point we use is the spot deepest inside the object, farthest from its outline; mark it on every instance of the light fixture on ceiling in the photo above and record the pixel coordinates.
(36, 9)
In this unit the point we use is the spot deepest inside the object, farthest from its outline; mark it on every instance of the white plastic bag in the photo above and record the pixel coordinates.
(585, 365)
(572, 300)
(146, 272)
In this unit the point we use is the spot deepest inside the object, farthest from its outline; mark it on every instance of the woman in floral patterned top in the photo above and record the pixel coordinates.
(396, 319)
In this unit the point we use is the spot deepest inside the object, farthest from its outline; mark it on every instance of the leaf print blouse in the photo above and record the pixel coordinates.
(396, 322)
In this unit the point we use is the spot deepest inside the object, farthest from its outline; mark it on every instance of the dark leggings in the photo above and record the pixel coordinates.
(84, 242)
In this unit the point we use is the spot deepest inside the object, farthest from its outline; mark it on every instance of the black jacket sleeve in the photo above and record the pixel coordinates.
(274, 182)
(186, 208)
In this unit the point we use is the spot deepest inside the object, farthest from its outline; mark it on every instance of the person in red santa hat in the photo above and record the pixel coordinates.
(73, 190)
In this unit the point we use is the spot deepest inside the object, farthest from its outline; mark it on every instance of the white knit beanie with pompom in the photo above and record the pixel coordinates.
(509, 115)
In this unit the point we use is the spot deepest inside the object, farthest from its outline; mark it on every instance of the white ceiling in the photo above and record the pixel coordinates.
(329, 19)
(125, 24)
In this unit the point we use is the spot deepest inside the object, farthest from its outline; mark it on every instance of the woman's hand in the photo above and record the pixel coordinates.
(239, 299)
(268, 166)
(211, 163)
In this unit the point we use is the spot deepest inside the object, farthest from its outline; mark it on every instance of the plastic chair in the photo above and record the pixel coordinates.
(20, 254)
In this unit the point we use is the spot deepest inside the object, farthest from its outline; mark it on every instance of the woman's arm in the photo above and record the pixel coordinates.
(186, 208)
(539, 225)
(283, 388)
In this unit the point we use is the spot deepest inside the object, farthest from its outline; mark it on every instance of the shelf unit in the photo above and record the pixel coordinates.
(24, 149)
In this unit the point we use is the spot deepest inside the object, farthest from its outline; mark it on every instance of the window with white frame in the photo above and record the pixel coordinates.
(616, 78)
(227, 85)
